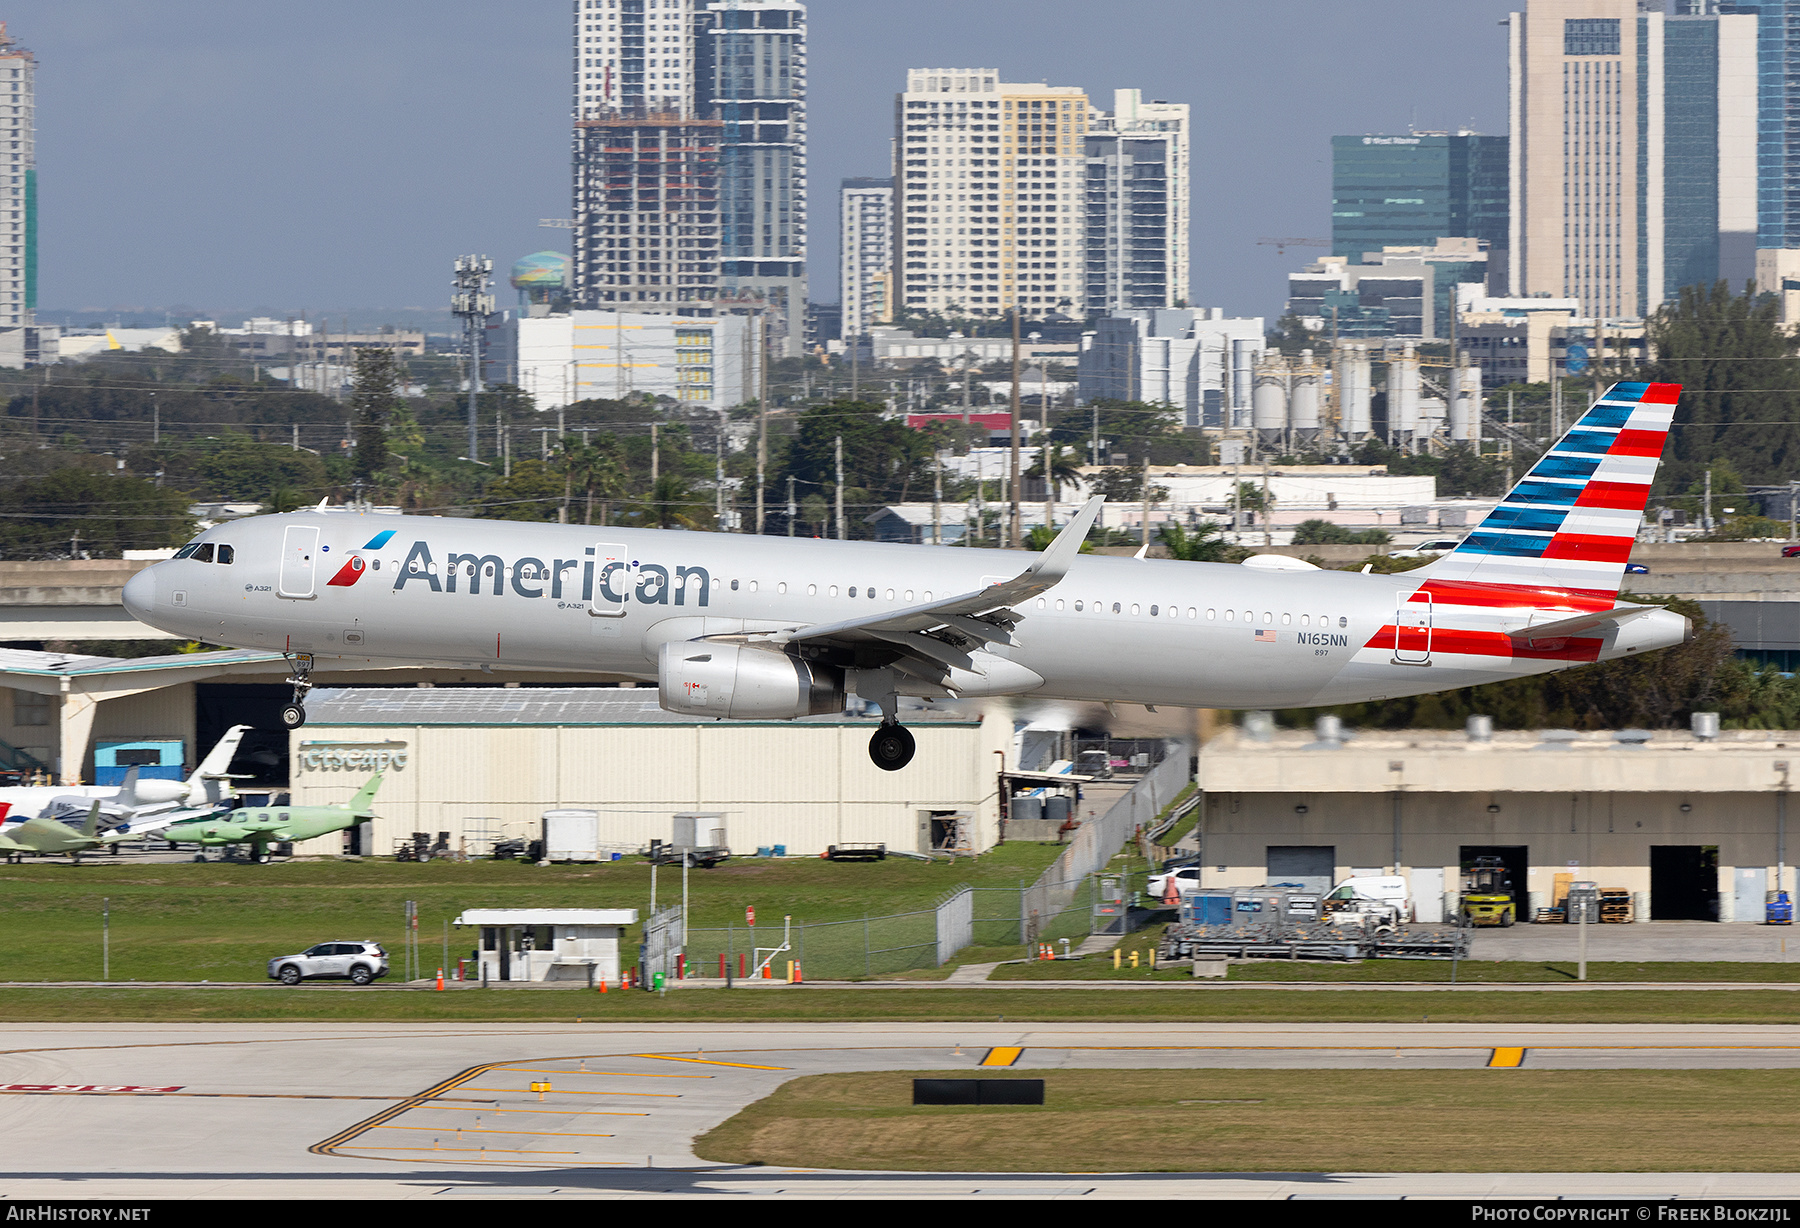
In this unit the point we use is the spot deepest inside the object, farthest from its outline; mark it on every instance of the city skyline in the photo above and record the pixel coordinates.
(298, 168)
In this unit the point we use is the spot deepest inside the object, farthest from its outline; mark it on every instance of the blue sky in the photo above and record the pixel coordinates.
(224, 155)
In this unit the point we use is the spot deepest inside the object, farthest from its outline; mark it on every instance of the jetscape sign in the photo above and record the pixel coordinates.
(352, 756)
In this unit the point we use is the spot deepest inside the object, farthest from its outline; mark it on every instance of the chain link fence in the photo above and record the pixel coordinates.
(1060, 904)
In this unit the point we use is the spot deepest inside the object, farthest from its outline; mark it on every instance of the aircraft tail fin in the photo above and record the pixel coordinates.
(127, 797)
(365, 796)
(1570, 522)
(207, 784)
(91, 828)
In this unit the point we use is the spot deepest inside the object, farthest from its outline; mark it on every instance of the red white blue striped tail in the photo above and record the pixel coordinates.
(1569, 524)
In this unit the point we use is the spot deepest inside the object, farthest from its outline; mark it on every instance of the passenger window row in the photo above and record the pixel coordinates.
(1158, 611)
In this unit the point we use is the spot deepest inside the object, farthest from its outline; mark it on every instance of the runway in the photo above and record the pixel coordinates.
(436, 1111)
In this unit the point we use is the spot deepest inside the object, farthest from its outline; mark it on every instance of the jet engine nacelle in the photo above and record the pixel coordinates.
(706, 679)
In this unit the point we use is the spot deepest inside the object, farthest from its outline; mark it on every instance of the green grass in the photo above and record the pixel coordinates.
(1283, 1121)
(181, 921)
(321, 1003)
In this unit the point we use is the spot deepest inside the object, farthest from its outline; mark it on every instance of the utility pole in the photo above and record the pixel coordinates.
(1144, 533)
(1013, 538)
(472, 303)
(762, 422)
(793, 512)
(937, 499)
(839, 491)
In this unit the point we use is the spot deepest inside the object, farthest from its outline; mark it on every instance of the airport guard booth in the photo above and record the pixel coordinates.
(549, 944)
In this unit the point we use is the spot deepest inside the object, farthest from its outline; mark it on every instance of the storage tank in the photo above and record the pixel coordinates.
(1303, 397)
(1403, 396)
(1269, 398)
(1353, 398)
(1465, 402)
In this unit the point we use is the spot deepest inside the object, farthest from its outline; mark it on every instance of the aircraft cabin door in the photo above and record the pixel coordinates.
(299, 561)
(608, 581)
(1412, 628)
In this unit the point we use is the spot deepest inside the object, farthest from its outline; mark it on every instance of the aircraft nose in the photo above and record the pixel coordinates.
(139, 597)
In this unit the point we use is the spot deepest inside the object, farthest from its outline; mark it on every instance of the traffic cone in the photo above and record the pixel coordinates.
(799, 977)
(440, 981)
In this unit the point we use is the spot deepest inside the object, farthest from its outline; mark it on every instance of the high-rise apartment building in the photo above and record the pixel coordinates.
(1412, 190)
(1137, 204)
(865, 253)
(18, 187)
(690, 158)
(1634, 154)
(990, 195)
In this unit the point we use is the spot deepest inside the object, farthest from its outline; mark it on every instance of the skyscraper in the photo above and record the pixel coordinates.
(990, 192)
(18, 186)
(690, 158)
(1137, 204)
(1634, 157)
(750, 76)
(865, 253)
(1412, 190)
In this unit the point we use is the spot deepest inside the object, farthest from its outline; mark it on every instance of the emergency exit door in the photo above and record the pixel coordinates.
(299, 561)
(1412, 628)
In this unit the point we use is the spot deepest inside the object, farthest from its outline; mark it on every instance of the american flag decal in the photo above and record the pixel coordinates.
(1266, 637)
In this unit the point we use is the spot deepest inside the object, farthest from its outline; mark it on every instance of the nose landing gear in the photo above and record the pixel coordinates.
(294, 714)
(891, 746)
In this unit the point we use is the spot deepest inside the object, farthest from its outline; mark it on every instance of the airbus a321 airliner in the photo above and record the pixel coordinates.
(778, 628)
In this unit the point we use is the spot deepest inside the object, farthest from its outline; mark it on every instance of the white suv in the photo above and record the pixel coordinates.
(361, 962)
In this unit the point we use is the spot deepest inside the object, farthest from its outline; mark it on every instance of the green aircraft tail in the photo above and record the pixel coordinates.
(365, 796)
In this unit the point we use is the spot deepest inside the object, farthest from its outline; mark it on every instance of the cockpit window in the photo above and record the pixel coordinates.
(225, 554)
(204, 553)
(187, 550)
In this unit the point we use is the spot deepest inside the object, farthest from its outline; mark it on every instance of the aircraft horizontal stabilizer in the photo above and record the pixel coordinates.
(1564, 627)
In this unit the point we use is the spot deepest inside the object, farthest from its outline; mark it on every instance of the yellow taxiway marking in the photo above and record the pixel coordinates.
(461, 1130)
(457, 1108)
(627, 1074)
(704, 1061)
(1004, 1055)
(508, 1151)
(526, 1091)
(1507, 1057)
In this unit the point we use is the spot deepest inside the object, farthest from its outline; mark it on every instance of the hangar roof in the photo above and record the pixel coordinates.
(541, 706)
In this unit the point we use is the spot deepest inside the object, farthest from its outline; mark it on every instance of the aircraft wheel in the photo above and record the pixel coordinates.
(199, 856)
(260, 858)
(293, 716)
(891, 747)
(289, 975)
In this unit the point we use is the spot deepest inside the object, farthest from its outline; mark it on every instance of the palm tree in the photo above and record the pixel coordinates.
(1206, 544)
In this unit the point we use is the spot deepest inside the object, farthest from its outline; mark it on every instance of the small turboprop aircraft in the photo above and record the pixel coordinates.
(39, 837)
(774, 628)
(263, 826)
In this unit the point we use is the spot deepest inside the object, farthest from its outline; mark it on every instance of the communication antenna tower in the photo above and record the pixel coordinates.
(473, 303)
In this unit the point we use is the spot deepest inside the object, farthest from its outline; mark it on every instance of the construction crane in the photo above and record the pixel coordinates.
(1281, 245)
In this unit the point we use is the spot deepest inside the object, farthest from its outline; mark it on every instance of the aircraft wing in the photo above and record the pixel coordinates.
(941, 633)
(140, 824)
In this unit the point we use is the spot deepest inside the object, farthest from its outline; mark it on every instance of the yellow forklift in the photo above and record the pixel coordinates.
(1487, 894)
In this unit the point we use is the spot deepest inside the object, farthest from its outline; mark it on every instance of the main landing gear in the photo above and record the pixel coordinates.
(891, 746)
(294, 714)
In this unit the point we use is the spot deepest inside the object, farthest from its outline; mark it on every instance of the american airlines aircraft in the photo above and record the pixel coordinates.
(777, 628)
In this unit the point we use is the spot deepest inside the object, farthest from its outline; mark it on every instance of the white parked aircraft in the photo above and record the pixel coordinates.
(137, 805)
(777, 628)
